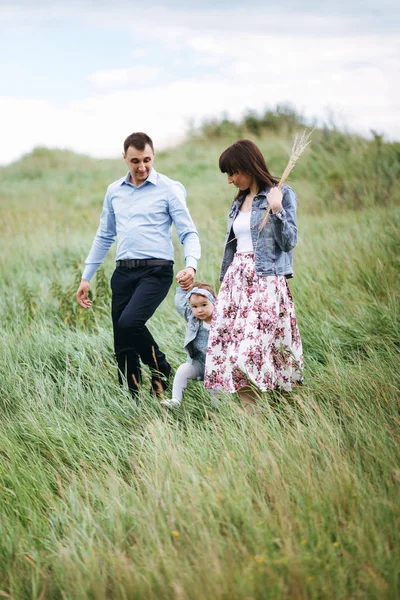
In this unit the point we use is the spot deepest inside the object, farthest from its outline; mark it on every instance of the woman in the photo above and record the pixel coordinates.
(254, 342)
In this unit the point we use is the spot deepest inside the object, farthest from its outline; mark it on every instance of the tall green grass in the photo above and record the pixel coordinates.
(103, 497)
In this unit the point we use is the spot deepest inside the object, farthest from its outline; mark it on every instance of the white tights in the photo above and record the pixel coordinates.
(182, 375)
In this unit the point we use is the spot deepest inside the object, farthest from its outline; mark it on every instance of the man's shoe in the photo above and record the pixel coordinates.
(157, 387)
(159, 383)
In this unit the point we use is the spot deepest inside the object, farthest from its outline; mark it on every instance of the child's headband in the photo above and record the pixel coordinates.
(201, 292)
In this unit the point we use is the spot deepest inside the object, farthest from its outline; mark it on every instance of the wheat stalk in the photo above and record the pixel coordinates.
(299, 145)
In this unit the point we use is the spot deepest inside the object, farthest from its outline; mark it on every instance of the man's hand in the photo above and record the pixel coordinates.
(274, 198)
(82, 294)
(185, 278)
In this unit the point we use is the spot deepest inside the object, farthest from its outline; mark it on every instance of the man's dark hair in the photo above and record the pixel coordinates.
(138, 140)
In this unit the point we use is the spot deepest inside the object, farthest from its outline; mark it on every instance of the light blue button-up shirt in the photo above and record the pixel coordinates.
(141, 218)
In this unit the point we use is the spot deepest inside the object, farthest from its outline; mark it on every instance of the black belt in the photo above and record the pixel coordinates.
(134, 263)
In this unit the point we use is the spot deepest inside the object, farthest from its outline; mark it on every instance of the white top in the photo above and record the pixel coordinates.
(241, 229)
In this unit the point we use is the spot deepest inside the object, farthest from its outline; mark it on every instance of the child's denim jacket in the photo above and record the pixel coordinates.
(192, 328)
(273, 243)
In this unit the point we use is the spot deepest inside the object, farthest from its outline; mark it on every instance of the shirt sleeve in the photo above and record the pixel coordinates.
(105, 236)
(184, 225)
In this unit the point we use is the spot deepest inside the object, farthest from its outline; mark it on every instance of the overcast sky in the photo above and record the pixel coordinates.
(83, 75)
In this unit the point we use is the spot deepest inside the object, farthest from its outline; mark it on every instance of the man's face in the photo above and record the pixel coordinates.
(140, 163)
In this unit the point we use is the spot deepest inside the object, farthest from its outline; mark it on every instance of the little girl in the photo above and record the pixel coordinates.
(196, 307)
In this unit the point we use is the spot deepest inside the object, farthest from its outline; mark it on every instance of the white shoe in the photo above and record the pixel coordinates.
(171, 403)
(215, 402)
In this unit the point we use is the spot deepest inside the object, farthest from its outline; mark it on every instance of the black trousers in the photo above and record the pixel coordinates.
(136, 293)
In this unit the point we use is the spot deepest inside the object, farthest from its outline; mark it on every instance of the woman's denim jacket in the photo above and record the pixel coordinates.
(273, 243)
(193, 324)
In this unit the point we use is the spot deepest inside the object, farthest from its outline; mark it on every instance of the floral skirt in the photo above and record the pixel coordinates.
(254, 338)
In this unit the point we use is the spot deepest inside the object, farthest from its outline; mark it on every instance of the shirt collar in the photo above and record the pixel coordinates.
(152, 178)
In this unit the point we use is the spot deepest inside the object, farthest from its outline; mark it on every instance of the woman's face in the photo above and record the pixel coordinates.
(241, 180)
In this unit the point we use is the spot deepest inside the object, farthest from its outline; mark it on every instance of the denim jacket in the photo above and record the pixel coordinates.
(274, 243)
(193, 324)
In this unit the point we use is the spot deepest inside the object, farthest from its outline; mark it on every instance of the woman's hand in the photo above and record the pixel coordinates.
(274, 198)
(185, 278)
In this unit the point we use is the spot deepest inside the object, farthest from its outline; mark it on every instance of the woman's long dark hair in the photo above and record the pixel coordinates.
(245, 156)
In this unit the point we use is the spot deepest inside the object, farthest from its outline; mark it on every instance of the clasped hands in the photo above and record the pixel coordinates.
(185, 278)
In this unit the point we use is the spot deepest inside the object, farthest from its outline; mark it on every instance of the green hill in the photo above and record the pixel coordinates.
(104, 498)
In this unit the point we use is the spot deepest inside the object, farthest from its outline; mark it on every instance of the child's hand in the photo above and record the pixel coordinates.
(185, 278)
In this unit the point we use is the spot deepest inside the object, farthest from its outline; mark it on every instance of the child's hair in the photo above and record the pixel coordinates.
(204, 286)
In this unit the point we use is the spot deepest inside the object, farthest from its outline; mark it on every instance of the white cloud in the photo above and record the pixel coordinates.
(117, 77)
(140, 53)
(172, 21)
(317, 63)
(98, 125)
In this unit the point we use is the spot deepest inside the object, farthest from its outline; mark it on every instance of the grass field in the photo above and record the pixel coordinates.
(105, 498)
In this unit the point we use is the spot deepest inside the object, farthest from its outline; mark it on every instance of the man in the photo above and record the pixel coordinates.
(140, 209)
